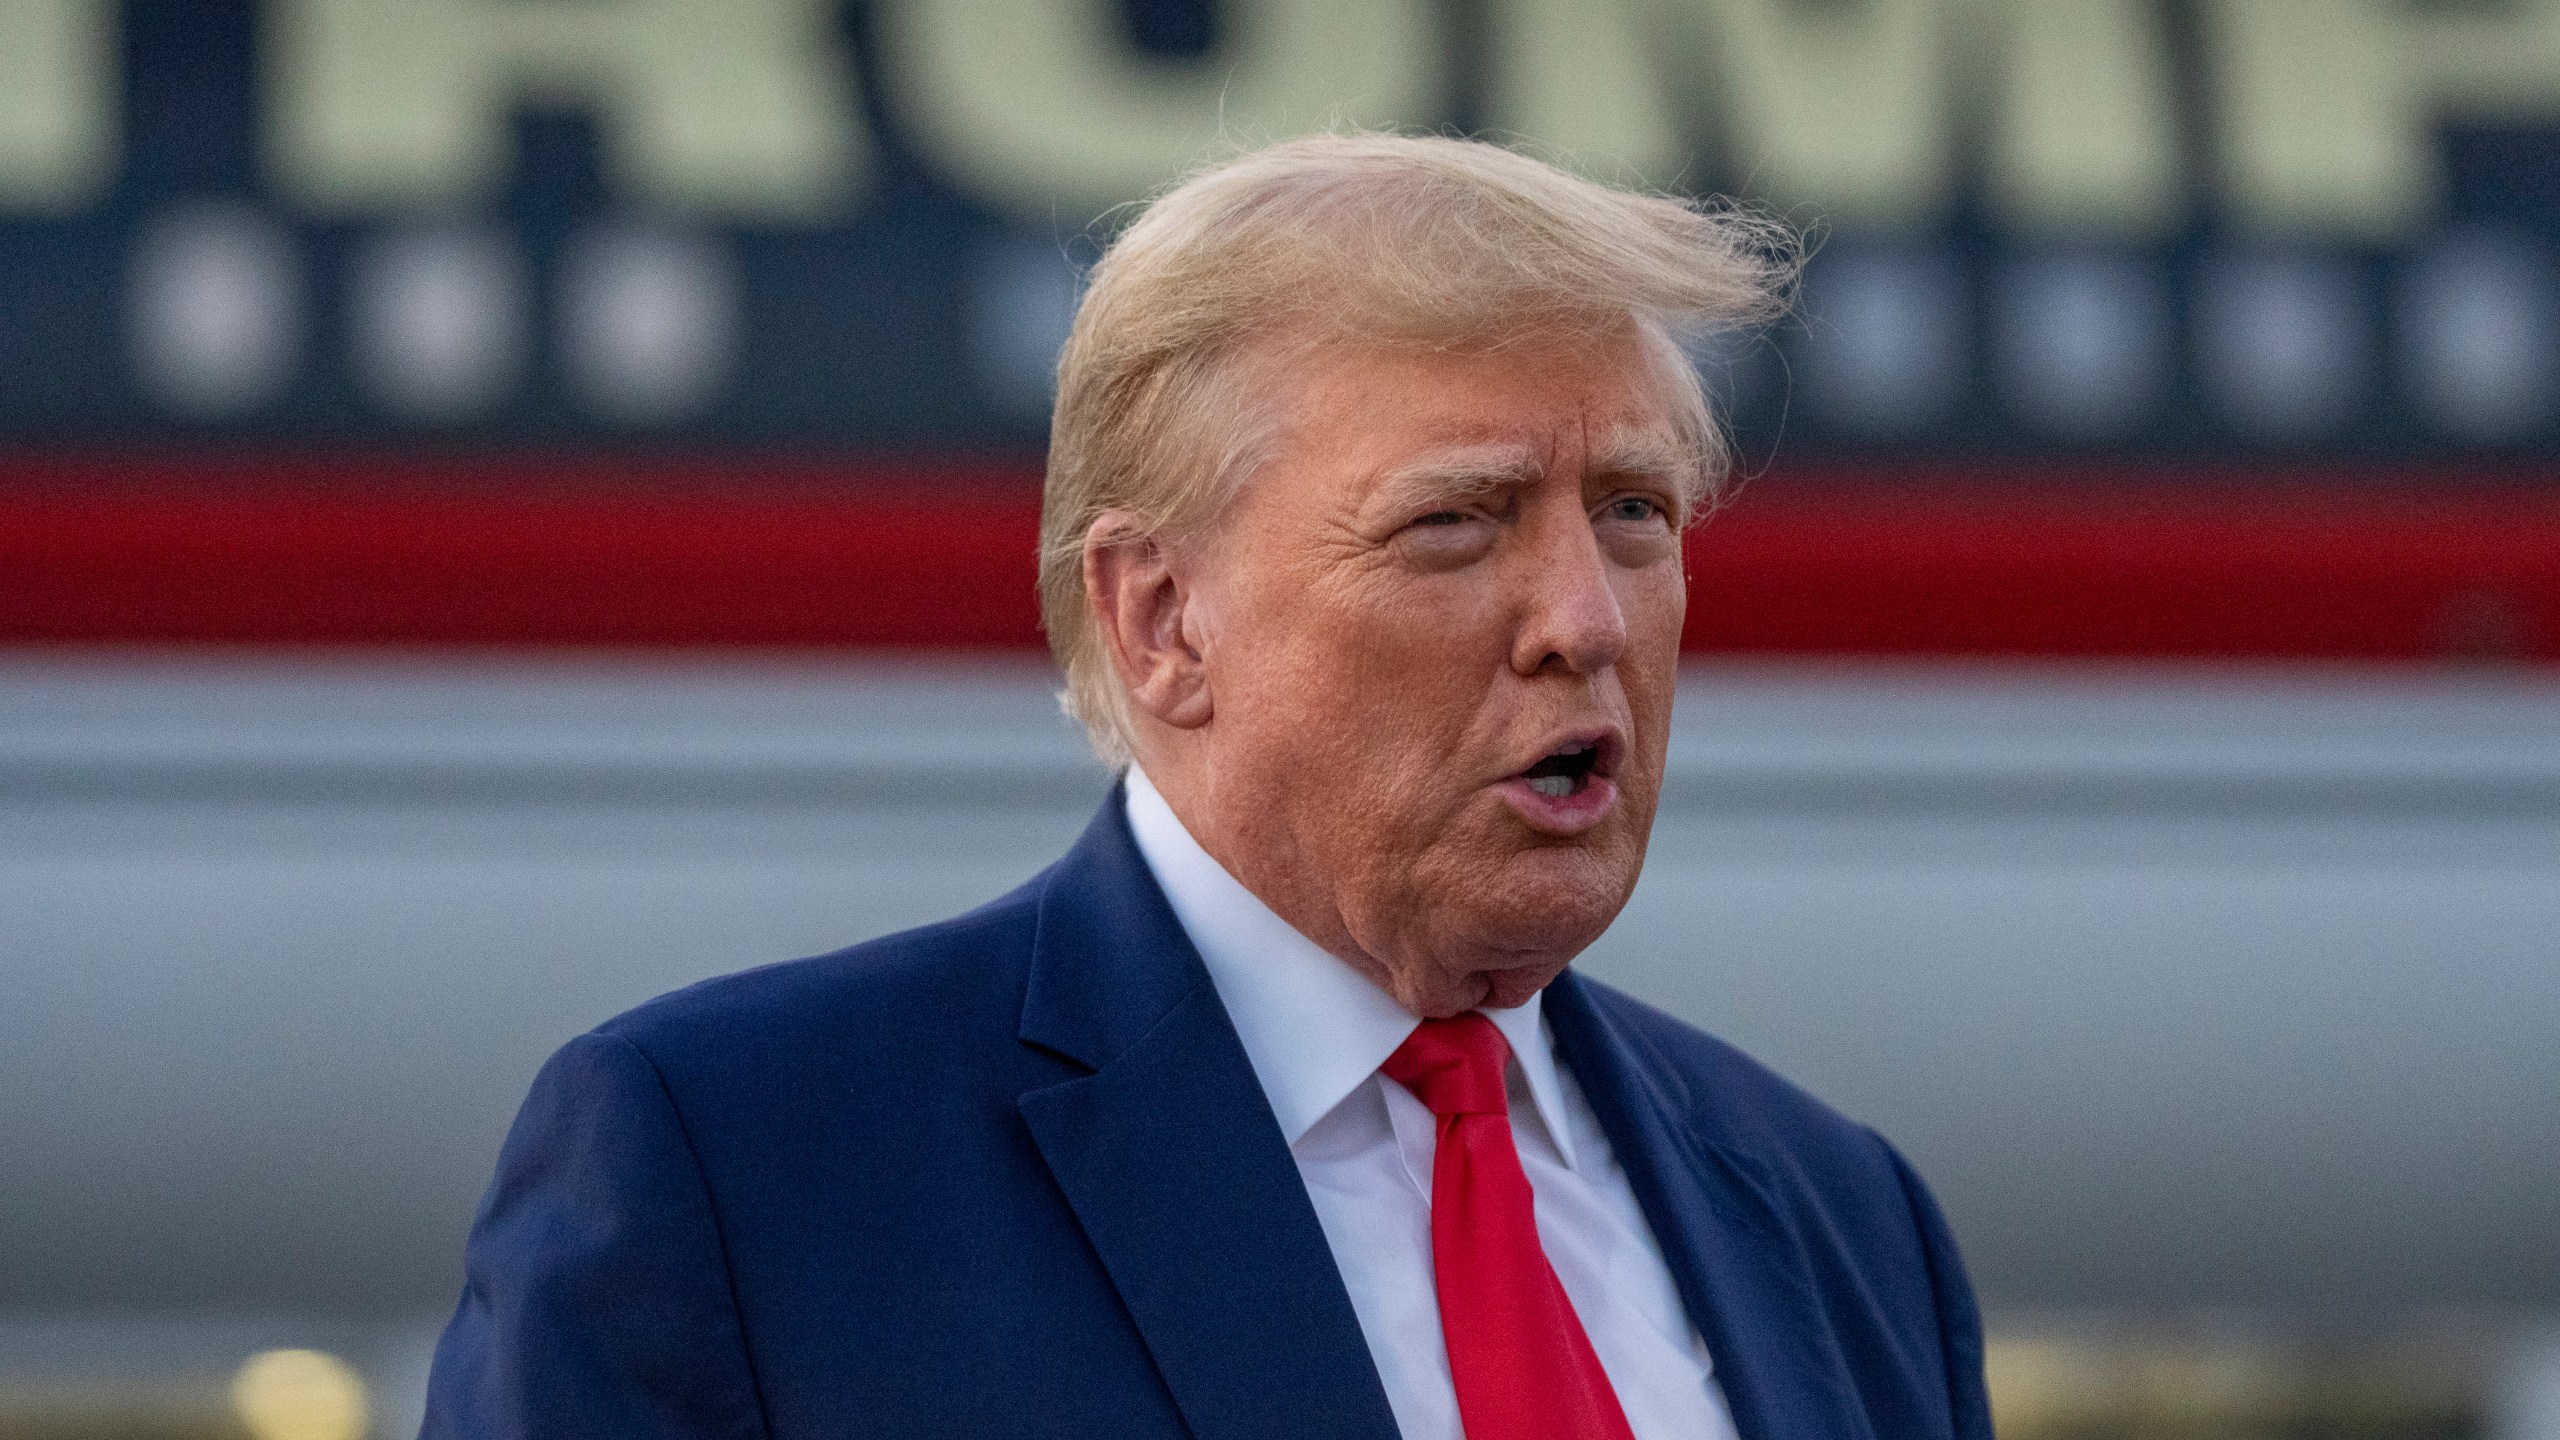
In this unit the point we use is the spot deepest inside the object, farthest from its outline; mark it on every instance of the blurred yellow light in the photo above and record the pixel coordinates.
(300, 1395)
(2036, 1385)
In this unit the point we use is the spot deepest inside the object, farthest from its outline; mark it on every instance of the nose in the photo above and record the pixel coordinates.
(1569, 617)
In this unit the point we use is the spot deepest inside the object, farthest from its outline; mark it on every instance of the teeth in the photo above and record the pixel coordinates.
(1554, 787)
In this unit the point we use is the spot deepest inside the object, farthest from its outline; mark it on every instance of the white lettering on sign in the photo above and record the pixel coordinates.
(1046, 109)
(2330, 108)
(2083, 123)
(57, 102)
(2325, 116)
(1582, 78)
(1848, 107)
(1841, 105)
(742, 107)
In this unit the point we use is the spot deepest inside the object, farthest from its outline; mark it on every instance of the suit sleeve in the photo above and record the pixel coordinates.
(1959, 1318)
(596, 1297)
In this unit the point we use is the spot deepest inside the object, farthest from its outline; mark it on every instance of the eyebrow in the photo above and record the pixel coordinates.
(1466, 472)
(1645, 452)
(1457, 474)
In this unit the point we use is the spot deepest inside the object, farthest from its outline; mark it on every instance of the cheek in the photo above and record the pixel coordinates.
(1655, 606)
(1655, 602)
(1397, 640)
(1396, 684)
(1337, 671)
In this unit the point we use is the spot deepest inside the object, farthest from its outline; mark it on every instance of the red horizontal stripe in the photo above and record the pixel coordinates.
(2131, 568)
(592, 552)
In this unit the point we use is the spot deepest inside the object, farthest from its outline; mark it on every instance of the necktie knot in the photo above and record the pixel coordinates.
(1453, 1066)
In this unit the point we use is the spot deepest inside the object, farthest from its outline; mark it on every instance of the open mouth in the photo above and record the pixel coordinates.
(1564, 772)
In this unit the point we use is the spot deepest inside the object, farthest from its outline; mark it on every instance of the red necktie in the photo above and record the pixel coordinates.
(1523, 1367)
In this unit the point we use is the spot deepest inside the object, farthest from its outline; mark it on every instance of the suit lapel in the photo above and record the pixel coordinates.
(1740, 1268)
(1170, 1157)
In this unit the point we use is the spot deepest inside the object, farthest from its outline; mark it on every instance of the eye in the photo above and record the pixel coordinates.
(1633, 510)
(1446, 539)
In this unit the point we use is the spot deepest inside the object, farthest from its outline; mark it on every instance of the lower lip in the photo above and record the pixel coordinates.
(1562, 814)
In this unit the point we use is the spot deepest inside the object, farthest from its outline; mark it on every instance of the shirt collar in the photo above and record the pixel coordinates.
(1313, 1027)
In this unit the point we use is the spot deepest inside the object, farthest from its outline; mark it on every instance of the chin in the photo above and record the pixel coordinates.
(1552, 901)
(1500, 918)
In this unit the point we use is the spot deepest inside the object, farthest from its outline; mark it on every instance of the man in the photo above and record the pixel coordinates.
(1272, 1110)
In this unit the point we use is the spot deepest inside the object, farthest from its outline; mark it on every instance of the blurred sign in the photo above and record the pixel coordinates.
(2294, 225)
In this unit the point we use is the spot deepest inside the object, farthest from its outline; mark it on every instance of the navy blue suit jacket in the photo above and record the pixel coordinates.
(1012, 1175)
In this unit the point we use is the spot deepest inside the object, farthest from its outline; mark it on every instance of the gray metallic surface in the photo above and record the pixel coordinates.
(2184, 988)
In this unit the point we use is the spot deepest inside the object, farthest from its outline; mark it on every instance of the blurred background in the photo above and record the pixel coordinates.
(511, 506)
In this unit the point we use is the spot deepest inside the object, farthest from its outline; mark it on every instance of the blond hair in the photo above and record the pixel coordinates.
(1366, 238)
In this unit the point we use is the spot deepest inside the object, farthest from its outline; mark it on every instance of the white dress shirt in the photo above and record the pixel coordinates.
(1316, 1031)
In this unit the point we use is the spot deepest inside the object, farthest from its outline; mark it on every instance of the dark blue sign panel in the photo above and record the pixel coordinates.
(2157, 228)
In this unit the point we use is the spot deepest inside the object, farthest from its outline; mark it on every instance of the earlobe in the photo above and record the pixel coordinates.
(1145, 611)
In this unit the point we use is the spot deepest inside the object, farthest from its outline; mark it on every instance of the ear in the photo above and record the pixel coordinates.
(1144, 608)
